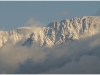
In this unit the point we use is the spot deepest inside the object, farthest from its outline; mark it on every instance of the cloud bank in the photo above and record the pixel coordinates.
(72, 57)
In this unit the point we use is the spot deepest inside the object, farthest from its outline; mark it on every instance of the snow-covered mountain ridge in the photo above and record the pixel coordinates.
(54, 33)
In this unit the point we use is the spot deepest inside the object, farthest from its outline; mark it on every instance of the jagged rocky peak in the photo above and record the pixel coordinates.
(69, 29)
(55, 32)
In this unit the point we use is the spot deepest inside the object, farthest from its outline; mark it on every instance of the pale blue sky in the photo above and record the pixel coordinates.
(16, 14)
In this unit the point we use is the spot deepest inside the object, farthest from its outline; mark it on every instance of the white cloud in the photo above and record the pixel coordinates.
(33, 22)
(78, 56)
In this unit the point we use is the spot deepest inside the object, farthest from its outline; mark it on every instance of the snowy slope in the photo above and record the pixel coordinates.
(54, 33)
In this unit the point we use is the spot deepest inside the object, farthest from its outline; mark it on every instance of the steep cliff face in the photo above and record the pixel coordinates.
(54, 33)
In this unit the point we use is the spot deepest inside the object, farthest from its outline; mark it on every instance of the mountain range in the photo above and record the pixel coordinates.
(53, 33)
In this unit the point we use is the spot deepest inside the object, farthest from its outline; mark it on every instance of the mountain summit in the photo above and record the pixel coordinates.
(54, 33)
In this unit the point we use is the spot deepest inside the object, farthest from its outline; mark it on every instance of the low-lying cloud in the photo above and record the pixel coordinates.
(78, 56)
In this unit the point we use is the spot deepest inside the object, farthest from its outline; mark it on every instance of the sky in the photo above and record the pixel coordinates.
(14, 14)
